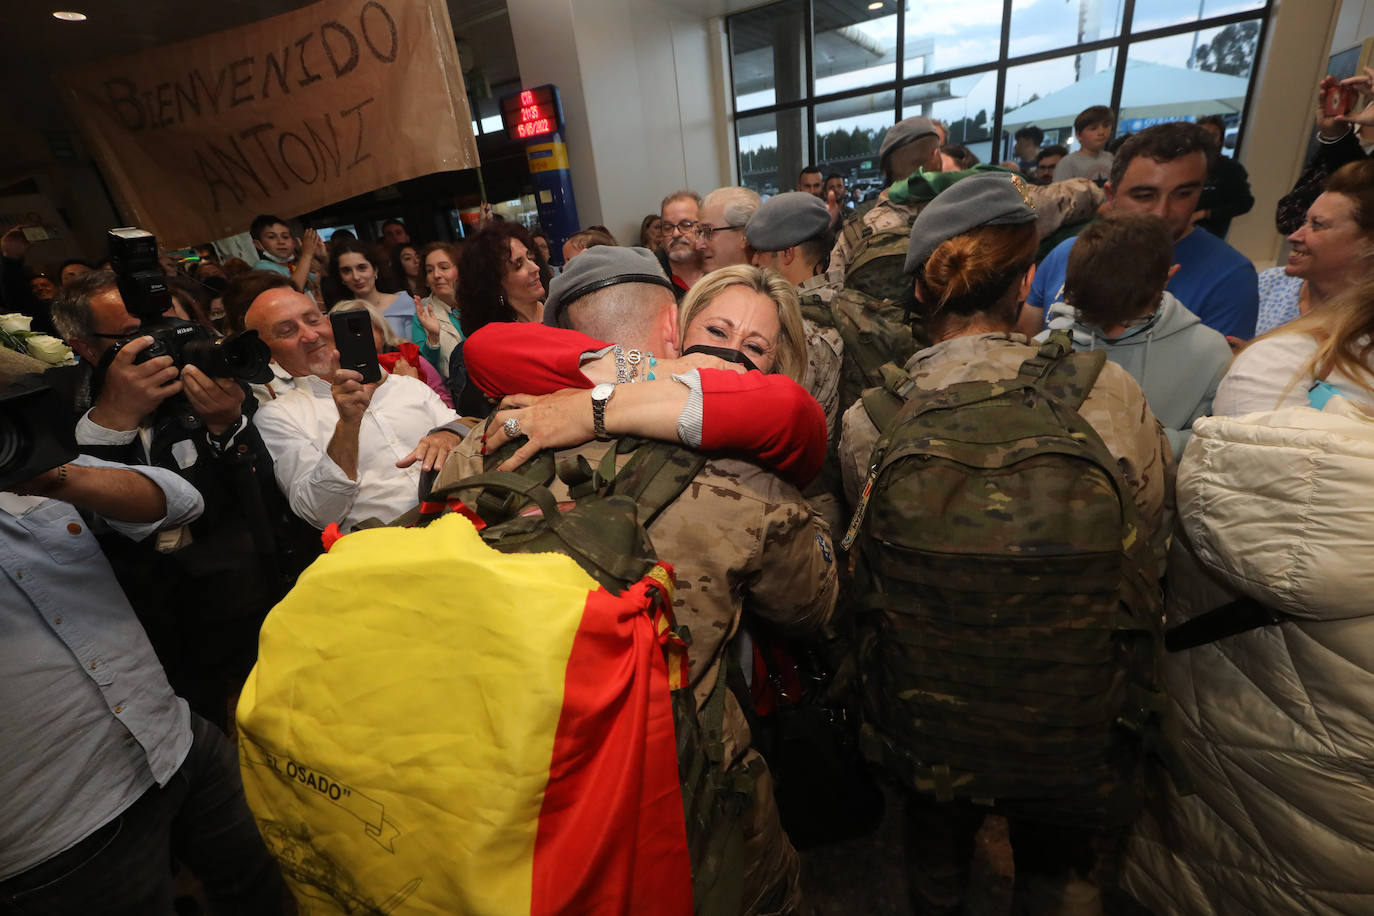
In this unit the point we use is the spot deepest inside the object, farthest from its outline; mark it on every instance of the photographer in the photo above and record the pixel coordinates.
(201, 590)
(102, 770)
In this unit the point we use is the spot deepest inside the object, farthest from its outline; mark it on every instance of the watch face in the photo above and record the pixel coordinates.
(603, 391)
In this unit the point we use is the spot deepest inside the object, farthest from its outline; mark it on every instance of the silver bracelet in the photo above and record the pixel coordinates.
(622, 370)
(634, 358)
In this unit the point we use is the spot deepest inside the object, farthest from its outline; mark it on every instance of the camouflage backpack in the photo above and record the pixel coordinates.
(604, 531)
(875, 332)
(1010, 641)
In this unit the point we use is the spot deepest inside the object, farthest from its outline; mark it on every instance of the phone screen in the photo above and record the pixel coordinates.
(353, 340)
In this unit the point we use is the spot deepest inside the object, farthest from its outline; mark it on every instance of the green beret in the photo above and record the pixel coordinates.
(597, 268)
(785, 220)
(986, 199)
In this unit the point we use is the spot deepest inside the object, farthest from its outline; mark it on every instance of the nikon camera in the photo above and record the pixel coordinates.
(241, 356)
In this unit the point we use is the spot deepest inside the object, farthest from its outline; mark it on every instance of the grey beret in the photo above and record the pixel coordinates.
(597, 268)
(985, 199)
(904, 132)
(785, 220)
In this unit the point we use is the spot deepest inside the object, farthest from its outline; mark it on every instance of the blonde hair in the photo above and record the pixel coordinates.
(389, 337)
(790, 348)
(1344, 331)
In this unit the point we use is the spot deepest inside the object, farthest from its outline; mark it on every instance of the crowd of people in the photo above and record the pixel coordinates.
(1000, 432)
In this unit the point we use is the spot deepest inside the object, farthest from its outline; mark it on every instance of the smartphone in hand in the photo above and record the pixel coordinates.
(1337, 101)
(353, 340)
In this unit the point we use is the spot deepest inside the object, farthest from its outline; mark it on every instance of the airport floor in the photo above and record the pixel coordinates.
(865, 875)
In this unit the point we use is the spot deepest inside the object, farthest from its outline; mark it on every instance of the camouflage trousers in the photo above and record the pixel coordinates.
(1060, 870)
(772, 870)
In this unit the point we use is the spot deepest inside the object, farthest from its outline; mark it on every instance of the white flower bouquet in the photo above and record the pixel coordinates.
(15, 335)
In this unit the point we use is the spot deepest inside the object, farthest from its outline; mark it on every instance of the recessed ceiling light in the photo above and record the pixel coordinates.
(69, 16)
(876, 6)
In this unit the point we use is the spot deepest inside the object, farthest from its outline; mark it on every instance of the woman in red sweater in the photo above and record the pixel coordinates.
(749, 401)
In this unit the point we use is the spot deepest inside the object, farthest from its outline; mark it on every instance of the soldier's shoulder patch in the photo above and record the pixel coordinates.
(825, 548)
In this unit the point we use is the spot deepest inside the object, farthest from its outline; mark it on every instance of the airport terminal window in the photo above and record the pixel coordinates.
(1050, 93)
(983, 67)
(772, 150)
(854, 46)
(944, 35)
(1160, 86)
(965, 106)
(852, 128)
(1045, 25)
(1158, 14)
(768, 55)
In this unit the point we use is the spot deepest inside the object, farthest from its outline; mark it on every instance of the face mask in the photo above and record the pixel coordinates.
(730, 356)
(1136, 329)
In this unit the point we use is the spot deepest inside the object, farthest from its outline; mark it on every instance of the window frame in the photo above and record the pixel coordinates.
(1121, 43)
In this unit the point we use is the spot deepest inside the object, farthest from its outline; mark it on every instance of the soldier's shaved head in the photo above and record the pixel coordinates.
(631, 314)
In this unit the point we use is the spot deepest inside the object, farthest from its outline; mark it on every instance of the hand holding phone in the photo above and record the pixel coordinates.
(1337, 101)
(353, 340)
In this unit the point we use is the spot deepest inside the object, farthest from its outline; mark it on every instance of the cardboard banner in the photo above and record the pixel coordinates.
(281, 116)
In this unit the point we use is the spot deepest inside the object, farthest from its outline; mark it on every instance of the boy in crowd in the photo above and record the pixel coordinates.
(277, 251)
(1093, 128)
(1114, 300)
(1027, 149)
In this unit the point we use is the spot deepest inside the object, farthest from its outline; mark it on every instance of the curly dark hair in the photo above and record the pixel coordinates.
(353, 246)
(486, 260)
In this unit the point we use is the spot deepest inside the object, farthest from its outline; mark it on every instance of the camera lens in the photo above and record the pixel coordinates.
(239, 356)
(15, 445)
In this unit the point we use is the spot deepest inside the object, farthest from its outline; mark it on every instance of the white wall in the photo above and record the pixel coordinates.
(1354, 24)
(642, 91)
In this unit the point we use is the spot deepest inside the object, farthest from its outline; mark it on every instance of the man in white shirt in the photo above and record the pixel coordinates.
(343, 451)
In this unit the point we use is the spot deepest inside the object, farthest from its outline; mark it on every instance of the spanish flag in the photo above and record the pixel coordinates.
(437, 727)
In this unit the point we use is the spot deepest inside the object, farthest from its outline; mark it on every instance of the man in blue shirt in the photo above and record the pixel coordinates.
(103, 769)
(1162, 170)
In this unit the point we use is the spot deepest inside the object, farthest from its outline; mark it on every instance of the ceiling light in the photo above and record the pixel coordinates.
(876, 6)
(69, 16)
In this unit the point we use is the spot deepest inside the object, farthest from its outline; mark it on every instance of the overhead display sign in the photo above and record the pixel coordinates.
(281, 116)
(532, 113)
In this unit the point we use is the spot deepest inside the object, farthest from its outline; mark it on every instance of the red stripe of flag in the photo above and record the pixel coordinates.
(612, 838)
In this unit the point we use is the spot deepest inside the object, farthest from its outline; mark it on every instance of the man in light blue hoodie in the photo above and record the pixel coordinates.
(1115, 300)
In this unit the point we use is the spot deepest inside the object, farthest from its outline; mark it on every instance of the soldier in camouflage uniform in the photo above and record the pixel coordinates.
(790, 233)
(737, 537)
(1060, 204)
(972, 259)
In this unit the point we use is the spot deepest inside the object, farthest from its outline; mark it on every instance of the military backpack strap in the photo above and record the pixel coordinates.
(817, 311)
(884, 402)
(655, 475)
(1059, 372)
(854, 232)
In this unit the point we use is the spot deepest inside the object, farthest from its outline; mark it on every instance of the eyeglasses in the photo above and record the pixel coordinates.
(704, 231)
(686, 227)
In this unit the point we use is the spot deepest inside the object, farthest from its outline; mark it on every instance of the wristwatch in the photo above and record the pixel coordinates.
(601, 395)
